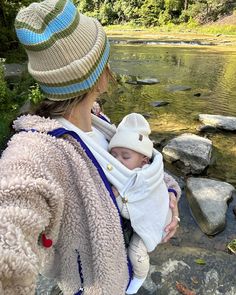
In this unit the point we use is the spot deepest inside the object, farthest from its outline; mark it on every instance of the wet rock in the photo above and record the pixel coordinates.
(171, 264)
(148, 81)
(208, 201)
(147, 115)
(132, 82)
(218, 121)
(178, 88)
(189, 152)
(159, 103)
(206, 128)
(158, 142)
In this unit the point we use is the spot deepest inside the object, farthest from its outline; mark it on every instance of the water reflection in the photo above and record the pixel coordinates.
(211, 76)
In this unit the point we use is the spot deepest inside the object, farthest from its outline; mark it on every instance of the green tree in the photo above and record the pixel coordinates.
(207, 10)
(8, 11)
(150, 11)
(89, 7)
(127, 10)
(107, 15)
(174, 7)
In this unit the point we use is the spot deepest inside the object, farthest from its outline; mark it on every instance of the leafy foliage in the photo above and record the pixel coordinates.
(156, 12)
(12, 97)
(8, 11)
(138, 12)
(35, 95)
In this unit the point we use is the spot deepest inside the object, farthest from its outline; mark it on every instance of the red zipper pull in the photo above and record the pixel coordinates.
(47, 243)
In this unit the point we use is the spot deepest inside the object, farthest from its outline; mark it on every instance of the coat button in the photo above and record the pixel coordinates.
(125, 200)
(109, 167)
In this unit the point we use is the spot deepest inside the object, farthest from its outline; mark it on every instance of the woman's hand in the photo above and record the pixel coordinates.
(171, 228)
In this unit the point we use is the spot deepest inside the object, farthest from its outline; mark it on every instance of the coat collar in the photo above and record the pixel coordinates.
(29, 122)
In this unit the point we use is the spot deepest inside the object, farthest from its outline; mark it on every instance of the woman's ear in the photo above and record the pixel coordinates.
(102, 83)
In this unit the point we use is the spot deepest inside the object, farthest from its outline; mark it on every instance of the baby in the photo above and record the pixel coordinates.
(148, 209)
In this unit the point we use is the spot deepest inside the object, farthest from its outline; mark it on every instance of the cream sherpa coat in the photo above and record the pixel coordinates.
(50, 185)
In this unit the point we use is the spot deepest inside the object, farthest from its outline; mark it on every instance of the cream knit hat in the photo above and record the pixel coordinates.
(67, 51)
(132, 133)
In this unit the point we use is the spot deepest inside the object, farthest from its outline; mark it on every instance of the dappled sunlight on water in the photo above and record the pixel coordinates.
(211, 76)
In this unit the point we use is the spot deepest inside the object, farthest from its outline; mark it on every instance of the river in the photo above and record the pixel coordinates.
(210, 74)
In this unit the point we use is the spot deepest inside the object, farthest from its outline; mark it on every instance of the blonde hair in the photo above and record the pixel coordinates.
(49, 108)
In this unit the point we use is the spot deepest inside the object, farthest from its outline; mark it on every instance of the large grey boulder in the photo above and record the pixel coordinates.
(208, 201)
(190, 152)
(218, 121)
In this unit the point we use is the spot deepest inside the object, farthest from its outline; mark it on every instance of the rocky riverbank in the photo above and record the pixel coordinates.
(197, 261)
(137, 36)
(193, 263)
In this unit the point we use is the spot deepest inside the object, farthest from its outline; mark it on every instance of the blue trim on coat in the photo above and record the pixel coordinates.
(81, 290)
(62, 131)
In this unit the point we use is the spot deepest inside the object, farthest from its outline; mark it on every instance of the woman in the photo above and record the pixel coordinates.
(58, 215)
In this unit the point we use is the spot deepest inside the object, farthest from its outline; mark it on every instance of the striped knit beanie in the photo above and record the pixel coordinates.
(67, 50)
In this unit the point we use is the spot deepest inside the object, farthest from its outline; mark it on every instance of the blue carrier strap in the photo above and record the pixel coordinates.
(62, 131)
(81, 289)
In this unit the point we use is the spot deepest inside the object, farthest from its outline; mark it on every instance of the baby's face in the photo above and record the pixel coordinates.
(129, 158)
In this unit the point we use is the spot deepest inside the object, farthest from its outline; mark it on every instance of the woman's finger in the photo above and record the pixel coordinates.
(171, 228)
(169, 235)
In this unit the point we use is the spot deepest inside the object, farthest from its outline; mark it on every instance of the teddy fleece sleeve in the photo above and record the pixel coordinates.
(28, 207)
(172, 183)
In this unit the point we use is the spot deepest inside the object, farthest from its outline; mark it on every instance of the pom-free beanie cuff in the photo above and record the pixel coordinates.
(67, 50)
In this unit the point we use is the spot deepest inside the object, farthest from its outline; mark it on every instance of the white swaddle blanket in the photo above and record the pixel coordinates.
(143, 188)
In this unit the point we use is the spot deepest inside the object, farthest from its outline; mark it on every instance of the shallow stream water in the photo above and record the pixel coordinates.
(210, 74)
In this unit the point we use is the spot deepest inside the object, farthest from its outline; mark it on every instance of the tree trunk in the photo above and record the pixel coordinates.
(3, 20)
(185, 4)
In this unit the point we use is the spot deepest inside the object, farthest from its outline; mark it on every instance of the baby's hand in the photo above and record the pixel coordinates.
(115, 192)
(96, 108)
